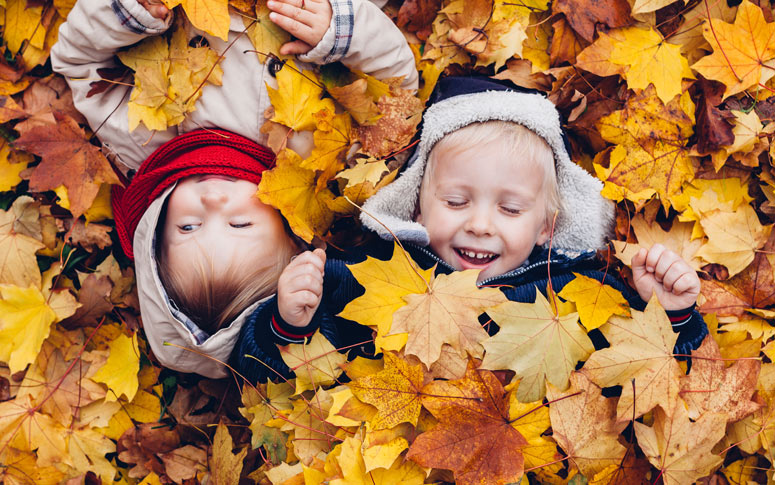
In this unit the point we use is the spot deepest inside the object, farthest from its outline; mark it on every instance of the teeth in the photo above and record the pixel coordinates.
(475, 255)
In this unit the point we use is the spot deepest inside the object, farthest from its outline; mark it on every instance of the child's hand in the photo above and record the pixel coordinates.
(663, 272)
(307, 20)
(154, 7)
(300, 288)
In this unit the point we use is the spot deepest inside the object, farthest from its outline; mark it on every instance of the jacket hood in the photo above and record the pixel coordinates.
(586, 218)
(164, 323)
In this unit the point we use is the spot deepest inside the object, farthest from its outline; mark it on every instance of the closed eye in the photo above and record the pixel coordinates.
(240, 224)
(455, 203)
(511, 210)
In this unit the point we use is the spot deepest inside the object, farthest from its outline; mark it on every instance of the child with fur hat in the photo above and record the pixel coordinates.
(206, 250)
(480, 192)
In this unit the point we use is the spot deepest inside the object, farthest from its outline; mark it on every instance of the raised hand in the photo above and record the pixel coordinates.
(300, 288)
(307, 20)
(662, 272)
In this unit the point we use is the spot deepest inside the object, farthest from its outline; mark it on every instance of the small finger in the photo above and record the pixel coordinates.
(672, 275)
(284, 11)
(639, 259)
(294, 48)
(306, 298)
(653, 256)
(664, 264)
(682, 284)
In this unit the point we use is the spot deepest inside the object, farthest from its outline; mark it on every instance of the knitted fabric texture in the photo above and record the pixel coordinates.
(201, 152)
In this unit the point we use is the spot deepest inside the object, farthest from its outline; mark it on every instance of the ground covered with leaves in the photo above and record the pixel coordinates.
(668, 103)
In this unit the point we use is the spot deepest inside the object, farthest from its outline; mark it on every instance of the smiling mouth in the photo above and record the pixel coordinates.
(476, 258)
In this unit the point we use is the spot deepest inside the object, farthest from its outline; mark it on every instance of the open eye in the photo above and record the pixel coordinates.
(240, 224)
(187, 227)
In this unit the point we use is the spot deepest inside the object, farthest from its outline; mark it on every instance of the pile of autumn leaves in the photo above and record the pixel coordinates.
(667, 103)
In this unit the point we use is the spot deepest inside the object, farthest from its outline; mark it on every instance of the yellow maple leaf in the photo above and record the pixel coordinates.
(642, 57)
(678, 239)
(20, 467)
(212, 16)
(316, 363)
(22, 23)
(297, 98)
(386, 284)
(446, 312)
(595, 301)
(265, 35)
(679, 448)
(86, 452)
(748, 142)
(640, 359)
(25, 322)
(733, 237)
(226, 467)
(18, 264)
(120, 371)
(293, 191)
(353, 468)
(168, 79)
(743, 52)
(532, 420)
(537, 344)
(332, 138)
(9, 171)
(395, 391)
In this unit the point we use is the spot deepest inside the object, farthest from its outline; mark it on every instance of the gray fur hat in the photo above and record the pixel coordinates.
(586, 218)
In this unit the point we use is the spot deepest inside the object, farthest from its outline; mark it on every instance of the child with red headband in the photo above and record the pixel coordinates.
(206, 250)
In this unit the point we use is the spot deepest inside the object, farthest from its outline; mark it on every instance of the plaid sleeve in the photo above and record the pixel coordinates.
(343, 20)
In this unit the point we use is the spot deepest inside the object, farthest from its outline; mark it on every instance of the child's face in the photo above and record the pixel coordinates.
(219, 218)
(483, 210)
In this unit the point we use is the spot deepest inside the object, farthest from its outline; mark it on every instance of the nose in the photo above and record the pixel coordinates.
(214, 198)
(479, 222)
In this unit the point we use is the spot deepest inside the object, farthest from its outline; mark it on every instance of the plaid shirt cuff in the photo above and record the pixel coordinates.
(336, 42)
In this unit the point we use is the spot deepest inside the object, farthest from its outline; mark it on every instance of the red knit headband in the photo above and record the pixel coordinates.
(201, 152)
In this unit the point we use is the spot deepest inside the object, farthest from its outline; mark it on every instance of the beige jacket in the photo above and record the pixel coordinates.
(88, 40)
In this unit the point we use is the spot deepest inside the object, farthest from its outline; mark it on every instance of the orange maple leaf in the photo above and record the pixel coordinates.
(67, 159)
(474, 436)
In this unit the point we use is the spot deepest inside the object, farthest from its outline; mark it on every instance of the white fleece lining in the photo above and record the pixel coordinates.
(584, 223)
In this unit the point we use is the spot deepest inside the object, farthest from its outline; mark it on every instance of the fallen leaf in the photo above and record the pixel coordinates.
(679, 448)
(537, 344)
(742, 51)
(640, 359)
(584, 425)
(395, 392)
(316, 363)
(474, 437)
(67, 159)
(226, 467)
(445, 313)
(595, 301)
(711, 386)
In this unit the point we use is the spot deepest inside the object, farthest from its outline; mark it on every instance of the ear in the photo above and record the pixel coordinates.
(543, 236)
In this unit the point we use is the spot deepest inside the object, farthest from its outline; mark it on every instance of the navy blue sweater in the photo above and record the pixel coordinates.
(264, 329)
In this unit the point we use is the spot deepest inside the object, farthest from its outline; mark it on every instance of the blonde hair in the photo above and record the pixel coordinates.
(516, 141)
(215, 297)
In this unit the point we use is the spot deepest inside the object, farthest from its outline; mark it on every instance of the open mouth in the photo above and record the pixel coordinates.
(476, 258)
